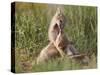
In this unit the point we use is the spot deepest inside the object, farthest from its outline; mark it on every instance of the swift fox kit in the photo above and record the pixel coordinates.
(57, 24)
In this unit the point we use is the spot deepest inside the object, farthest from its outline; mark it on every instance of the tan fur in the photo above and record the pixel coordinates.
(56, 25)
(61, 40)
(64, 44)
(48, 52)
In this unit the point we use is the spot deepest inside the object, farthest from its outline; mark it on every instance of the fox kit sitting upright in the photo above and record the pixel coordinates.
(57, 24)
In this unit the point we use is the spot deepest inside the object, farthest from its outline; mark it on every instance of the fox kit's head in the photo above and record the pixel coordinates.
(60, 18)
(59, 15)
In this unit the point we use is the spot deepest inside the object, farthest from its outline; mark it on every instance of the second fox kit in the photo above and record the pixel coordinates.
(57, 24)
(64, 44)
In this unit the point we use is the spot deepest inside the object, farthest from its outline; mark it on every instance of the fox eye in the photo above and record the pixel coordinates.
(61, 21)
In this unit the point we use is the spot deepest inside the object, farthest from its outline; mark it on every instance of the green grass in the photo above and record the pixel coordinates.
(31, 24)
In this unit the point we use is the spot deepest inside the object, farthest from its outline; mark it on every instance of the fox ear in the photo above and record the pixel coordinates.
(58, 10)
